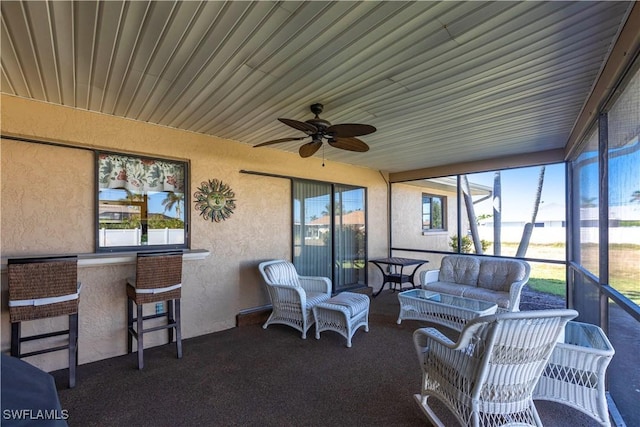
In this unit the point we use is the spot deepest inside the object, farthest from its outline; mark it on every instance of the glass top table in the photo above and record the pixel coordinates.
(447, 310)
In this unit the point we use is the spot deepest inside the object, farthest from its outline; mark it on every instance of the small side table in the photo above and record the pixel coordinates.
(397, 275)
(575, 374)
(344, 314)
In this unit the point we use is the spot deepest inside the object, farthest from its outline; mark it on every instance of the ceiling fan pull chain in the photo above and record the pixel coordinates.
(322, 155)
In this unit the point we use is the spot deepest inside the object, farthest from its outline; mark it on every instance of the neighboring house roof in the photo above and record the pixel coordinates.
(355, 217)
(449, 184)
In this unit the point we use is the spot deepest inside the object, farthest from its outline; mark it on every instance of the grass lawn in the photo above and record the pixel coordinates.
(624, 267)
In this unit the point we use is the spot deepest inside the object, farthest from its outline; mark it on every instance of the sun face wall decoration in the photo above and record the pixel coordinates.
(215, 200)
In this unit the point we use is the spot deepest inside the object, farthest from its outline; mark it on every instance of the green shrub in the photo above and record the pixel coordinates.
(466, 244)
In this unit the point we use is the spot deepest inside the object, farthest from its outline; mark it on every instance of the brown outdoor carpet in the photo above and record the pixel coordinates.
(248, 376)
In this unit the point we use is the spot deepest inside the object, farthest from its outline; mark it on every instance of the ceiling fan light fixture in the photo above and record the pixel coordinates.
(340, 136)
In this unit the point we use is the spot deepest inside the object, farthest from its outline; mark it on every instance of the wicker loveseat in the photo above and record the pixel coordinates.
(496, 280)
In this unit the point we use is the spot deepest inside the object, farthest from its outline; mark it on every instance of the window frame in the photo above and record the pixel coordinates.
(443, 204)
(184, 165)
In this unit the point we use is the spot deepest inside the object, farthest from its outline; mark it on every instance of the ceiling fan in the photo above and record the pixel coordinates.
(339, 136)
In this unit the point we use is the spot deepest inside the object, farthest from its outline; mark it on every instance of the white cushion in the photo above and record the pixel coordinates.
(356, 303)
(282, 273)
(460, 269)
(499, 274)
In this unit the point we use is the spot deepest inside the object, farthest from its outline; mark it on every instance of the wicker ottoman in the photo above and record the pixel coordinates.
(344, 313)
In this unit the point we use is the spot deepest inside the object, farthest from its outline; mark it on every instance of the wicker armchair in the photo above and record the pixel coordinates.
(487, 378)
(292, 296)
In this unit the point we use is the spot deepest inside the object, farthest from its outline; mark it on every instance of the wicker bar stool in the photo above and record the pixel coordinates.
(158, 279)
(41, 288)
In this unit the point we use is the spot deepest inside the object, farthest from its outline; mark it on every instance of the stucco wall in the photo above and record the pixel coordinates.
(47, 206)
(407, 219)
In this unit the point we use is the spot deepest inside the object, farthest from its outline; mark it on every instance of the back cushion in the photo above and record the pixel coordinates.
(498, 275)
(282, 273)
(460, 269)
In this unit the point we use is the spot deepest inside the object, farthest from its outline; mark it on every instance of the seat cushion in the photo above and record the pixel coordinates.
(496, 297)
(282, 273)
(449, 288)
(499, 274)
(460, 269)
(315, 298)
(356, 303)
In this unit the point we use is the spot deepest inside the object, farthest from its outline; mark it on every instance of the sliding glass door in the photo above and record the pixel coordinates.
(329, 232)
(312, 221)
(349, 237)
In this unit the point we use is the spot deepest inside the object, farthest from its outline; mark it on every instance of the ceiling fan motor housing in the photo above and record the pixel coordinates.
(321, 124)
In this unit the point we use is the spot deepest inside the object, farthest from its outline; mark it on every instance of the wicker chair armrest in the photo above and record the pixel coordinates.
(425, 338)
(315, 284)
(290, 294)
(515, 289)
(515, 292)
(428, 276)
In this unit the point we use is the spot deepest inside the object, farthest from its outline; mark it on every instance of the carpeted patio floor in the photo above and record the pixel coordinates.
(248, 376)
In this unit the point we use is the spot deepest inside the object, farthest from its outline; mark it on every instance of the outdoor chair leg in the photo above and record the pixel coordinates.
(140, 335)
(170, 319)
(15, 339)
(129, 326)
(73, 348)
(178, 328)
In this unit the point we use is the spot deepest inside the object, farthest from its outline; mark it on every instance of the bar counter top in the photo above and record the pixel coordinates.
(105, 258)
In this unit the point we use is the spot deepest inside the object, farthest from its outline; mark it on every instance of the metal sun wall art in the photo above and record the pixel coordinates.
(215, 200)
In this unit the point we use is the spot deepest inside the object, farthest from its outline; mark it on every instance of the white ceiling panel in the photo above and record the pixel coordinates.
(488, 78)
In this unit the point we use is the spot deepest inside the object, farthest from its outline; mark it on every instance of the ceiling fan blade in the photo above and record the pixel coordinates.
(350, 144)
(347, 130)
(307, 128)
(277, 141)
(310, 148)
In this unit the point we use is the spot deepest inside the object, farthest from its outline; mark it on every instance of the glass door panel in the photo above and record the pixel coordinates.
(312, 236)
(349, 237)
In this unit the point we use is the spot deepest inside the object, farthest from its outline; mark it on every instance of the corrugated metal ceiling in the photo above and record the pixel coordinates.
(444, 82)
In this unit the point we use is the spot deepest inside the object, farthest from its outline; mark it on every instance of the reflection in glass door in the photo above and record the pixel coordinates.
(329, 232)
(312, 219)
(349, 237)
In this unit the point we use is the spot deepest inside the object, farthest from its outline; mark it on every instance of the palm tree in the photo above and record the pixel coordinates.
(471, 213)
(497, 213)
(327, 209)
(528, 228)
(635, 197)
(173, 199)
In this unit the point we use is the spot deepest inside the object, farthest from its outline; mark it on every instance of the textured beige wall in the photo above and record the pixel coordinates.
(47, 207)
(407, 218)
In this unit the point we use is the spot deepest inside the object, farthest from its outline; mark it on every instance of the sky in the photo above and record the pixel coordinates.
(519, 187)
(154, 201)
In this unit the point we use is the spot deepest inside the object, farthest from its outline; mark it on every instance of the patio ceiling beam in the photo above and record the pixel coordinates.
(507, 162)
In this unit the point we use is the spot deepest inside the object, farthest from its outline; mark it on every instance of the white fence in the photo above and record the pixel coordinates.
(547, 235)
(133, 237)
